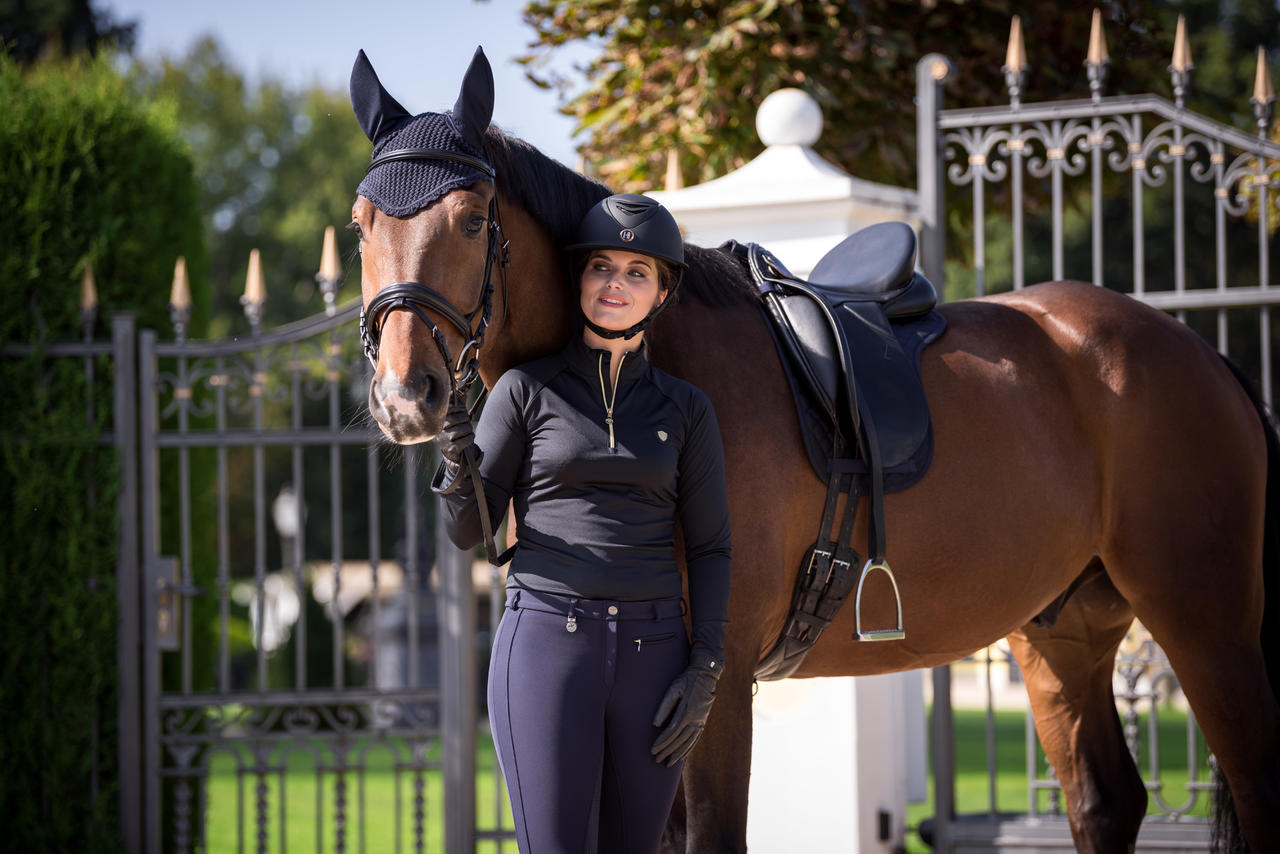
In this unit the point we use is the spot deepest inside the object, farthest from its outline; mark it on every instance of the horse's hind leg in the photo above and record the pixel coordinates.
(1068, 670)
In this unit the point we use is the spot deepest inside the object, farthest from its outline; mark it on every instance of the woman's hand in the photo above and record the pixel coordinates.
(685, 708)
(456, 434)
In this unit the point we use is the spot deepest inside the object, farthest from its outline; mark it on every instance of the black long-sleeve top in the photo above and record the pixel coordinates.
(596, 504)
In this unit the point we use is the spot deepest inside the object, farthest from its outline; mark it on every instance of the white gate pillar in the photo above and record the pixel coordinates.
(828, 755)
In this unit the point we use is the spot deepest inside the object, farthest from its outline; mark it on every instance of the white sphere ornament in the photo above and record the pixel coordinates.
(789, 117)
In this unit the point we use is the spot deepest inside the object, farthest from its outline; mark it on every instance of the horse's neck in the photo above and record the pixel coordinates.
(537, 318)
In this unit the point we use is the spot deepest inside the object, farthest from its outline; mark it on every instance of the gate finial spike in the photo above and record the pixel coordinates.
(255, 293)
(1264, 97)
(1097, 42)
(1181, 49)
(1015, 62)
(180, 298)
(330, 270)
(674, 179)
(1262, 91)
(1097, 60)
(1181, 64)
(88, 298)
(1015, 58)
(88, 289)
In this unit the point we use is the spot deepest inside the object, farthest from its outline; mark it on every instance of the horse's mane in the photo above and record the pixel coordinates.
(558, 197)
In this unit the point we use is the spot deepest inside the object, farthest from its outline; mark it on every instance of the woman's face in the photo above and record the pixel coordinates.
(619, 288)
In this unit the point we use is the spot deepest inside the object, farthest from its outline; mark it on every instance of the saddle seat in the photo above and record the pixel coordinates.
(876, 264)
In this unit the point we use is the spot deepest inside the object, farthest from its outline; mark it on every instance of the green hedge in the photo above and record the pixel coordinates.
(88, 174)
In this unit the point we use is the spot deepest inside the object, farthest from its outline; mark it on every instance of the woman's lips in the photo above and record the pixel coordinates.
(612, 302)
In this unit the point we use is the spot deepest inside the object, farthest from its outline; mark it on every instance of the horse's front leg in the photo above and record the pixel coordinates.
(716, 774)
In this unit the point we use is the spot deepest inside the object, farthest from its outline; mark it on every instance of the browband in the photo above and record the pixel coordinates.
(430, 154)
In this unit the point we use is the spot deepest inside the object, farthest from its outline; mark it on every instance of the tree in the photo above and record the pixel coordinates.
(689, 74)
(275, 166)
(32, 29)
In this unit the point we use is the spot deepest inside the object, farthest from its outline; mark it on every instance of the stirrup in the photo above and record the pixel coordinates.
(877, 634)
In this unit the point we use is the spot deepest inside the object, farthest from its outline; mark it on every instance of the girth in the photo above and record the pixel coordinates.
(841, 335)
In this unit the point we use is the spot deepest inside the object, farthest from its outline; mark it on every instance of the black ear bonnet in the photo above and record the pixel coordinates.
(402, 188)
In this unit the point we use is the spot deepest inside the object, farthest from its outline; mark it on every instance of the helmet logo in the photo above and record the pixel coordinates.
(627, 235)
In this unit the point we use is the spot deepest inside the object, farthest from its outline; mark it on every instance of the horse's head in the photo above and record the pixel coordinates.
(431, 248)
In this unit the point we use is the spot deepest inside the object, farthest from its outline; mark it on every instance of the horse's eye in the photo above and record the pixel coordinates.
(474, 225)
(355, 226)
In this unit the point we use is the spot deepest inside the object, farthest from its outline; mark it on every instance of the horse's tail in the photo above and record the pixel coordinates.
(1226, 829)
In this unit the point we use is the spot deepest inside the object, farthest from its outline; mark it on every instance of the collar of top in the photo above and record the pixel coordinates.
(586, 360)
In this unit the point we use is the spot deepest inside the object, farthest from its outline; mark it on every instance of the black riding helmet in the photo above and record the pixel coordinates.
(632, 223)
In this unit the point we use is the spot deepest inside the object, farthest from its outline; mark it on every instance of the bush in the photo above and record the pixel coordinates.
(90, 175)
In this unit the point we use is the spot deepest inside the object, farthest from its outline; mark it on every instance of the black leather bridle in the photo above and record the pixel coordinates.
(419, 299)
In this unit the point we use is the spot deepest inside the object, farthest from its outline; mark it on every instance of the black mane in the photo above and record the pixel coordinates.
(558, 197)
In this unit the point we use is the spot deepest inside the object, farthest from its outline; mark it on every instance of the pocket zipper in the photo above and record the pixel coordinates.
(652, 639)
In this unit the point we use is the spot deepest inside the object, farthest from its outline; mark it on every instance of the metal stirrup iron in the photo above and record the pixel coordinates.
(877, 634)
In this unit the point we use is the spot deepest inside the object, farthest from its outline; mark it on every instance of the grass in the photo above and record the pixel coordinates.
(1011, 793)
(381, 801)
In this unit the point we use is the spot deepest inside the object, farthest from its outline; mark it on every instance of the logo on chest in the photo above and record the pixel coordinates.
(662, 435)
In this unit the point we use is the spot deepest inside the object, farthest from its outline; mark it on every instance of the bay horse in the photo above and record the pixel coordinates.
(1083, 441)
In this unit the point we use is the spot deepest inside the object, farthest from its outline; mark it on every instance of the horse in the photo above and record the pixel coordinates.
(1084, 443)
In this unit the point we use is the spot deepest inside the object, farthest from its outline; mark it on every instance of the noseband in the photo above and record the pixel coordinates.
(419, 299)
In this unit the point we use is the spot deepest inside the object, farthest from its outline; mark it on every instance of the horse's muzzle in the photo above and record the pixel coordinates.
(408, 412)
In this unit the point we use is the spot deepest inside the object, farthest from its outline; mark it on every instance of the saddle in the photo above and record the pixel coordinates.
(850, 339)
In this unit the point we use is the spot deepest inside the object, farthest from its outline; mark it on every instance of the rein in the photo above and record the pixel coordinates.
(418, 298)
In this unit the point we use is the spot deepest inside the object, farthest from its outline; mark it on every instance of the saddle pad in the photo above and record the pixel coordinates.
(818, 428)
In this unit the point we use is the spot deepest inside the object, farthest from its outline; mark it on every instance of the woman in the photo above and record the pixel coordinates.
(596, 693)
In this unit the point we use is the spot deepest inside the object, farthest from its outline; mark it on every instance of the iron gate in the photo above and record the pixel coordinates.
(307, 681)
(1155, 180)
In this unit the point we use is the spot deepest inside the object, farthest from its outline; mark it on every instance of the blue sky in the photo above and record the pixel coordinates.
(420, 49)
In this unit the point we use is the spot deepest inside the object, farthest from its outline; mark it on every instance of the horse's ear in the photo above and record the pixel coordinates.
(474, 108)
(375, 109)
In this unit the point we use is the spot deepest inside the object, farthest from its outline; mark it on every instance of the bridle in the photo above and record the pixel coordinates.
(419, 299)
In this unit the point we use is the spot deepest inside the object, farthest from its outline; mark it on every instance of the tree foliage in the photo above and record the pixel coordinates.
(35, 29)
(275, 166)
(689, 74)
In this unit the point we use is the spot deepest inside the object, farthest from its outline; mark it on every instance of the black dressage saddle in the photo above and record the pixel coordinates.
(850, 338)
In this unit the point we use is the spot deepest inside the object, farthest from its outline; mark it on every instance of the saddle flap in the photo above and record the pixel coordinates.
(874, 260)
(808, 335)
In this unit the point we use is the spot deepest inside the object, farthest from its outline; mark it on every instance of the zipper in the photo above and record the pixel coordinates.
(652, 639)
(606, 399)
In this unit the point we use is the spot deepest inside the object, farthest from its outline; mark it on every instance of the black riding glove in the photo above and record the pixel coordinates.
(456, 434)
(685, 708)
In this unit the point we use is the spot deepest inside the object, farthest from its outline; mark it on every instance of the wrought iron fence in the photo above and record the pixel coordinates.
(1134, 193)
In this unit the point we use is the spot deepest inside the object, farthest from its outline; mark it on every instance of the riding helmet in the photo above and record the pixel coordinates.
(632, 223)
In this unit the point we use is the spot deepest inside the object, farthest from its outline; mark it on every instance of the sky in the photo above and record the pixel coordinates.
(420, 49)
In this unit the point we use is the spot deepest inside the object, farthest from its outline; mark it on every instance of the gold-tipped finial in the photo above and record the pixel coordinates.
(254, 291)
(88, 290)
(674, 179)
(330, 263)
(1262, 91)
(1097, 41)
(1181, 49)
(180, 293)
(1015, 58)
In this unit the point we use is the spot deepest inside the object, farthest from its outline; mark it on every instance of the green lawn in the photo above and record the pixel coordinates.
(972, 786)
(372, 821)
